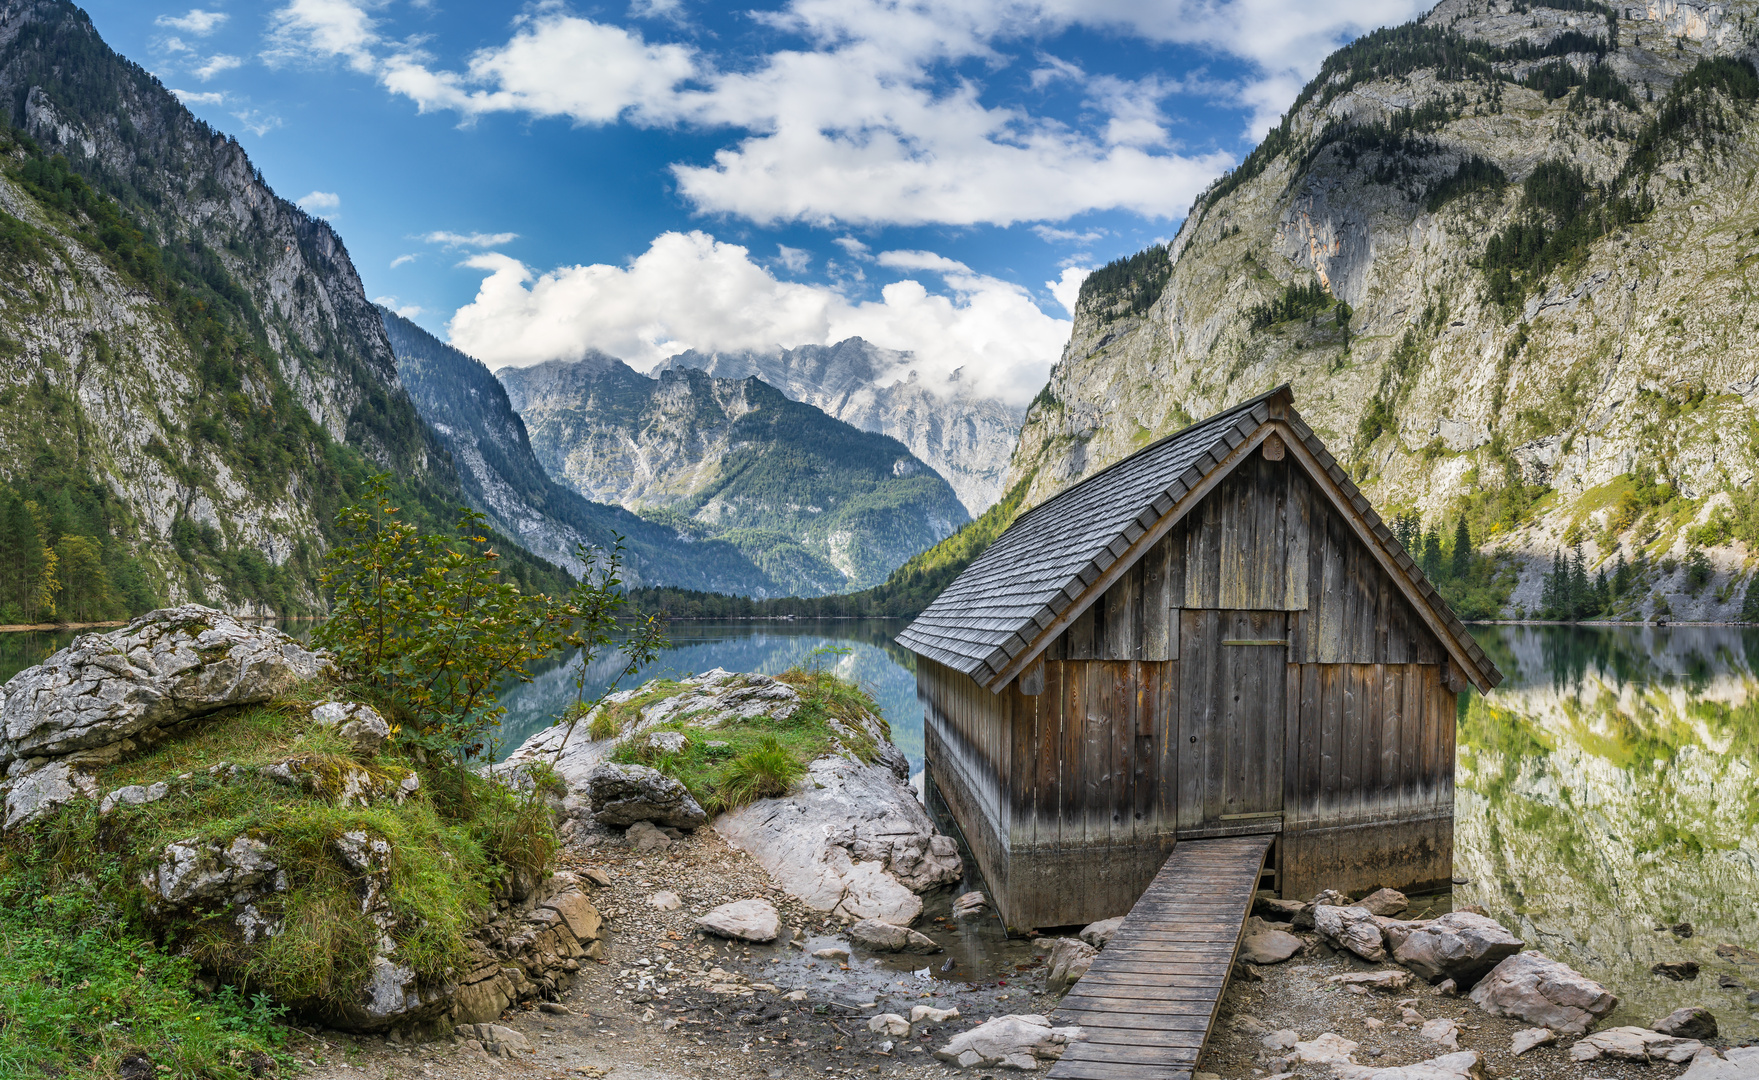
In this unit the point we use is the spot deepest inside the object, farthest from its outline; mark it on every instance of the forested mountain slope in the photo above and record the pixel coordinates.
(817, 504)
(967, 439)
(192, 380)
(1506, 255)
(468, 408)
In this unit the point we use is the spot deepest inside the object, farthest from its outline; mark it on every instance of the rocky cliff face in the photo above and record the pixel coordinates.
(966, 439)
(1504, 255)
(468, 408)
(190, 362)
(817, 504)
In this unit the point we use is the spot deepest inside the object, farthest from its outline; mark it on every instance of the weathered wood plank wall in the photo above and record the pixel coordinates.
(1254, 671)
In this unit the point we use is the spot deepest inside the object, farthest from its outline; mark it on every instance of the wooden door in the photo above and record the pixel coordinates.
(1233, 680)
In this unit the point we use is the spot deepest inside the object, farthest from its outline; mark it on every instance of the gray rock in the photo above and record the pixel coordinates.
(134, 795)
(1351, 928)
(345, 783)
(1272, 907)
(1533, 987)
(495, 1039)
(1390, 981)
(1635, 1044)
(645, 836)
(189, 871)
(876, 935)
(1736, 1063)
(1464, 1065)
(971, 905)
(888, 1024)
(1269, 946)
(668, 742)
(1529, 1038)
(1384, 902)
(665, 901)
(35, 793)
(626, 794)
(361, 725)
(744, 920)
(833, 954)
(1069, 959)
(1100, 933)
(1022, 1041)
(1677, 970)
(163, 668)
(920, 1014)
(1328, 898)
(1693, 1022)
(1459, 945)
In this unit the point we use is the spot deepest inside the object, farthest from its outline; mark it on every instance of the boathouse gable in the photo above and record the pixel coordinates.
(1216, 636)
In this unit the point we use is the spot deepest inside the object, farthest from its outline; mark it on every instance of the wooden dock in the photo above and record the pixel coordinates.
(1147, 1004)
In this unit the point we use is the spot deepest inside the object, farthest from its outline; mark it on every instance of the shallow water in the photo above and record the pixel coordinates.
(1610, 785)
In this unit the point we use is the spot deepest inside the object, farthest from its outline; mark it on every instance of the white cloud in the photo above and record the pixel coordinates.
(206, 97)
(688, 290)
(408, 311)
(1052, 235)
(310, 31)
(795, 259)
(215, 65)
(475, 239)
(855, 248)
(256, 121)
(320, 203)
(401, 259)
(670, 10)
(197, 22)
(1067, 288)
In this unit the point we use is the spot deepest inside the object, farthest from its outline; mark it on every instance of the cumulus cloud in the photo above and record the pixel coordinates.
(795, 259)
(1067, 288)
(320, 203)
(408, 311)
(689, 290)
(205, 97)
(475, 239)
(197, 22)
(315, 31)
(214, 65)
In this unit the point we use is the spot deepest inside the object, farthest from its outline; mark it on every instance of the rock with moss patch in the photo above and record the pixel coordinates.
(626, 794)
(361, 725)
(189, 872)
(163, 668)
(345, 782)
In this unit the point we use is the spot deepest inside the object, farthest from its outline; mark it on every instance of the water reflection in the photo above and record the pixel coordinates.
(1611, 786)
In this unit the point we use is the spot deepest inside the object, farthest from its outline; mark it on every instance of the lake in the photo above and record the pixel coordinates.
(1609, 786)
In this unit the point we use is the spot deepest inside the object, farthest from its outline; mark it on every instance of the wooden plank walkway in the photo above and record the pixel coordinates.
(1147, 1004)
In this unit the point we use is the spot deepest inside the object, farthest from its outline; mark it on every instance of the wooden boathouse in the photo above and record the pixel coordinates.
(1214, 637)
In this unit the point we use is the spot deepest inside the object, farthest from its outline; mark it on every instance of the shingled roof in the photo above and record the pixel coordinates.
(998, 614)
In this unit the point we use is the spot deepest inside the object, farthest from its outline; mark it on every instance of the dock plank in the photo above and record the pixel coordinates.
(1149, 1001)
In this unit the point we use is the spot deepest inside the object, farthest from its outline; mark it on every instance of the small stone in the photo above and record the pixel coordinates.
(875, 935)
(1729, 982)
(888, 1024)
(1099, 933)
(1677, 970)
(1270, 947)
(744, 920)
(1681, 929)
(645, 836)
(1272, 907)
(970, 906)
(794, 995)
(665, 901)
(1447, 988)
(1411, 1017)
(1443, 1031)
(1390, 981)
(361, 725)
(1327, 1049)
(554, 1008)
(1329, 898)
(1693, 1022)
(1373, 1023)
(1528, 1038)
(839, 955)
(667, 742)
(932, 1015)
(1281, 1039)
(134, 795)
(597, 876)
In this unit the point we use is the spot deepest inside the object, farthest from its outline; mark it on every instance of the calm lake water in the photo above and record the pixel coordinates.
(1609, 786)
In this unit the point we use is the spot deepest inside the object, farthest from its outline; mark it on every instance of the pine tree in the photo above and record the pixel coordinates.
(1462, 560)
(1431, 555)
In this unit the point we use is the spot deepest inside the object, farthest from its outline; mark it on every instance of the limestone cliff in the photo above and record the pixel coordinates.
(966, 439)
(817, 504)
(1505, 257)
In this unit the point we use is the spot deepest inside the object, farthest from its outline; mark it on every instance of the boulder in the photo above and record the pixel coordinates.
(1099, 933)
(1351, 928)
(888, 1024)
(626, 794)
(1693, 1022)
(1384, 902)
(163, 668)
(876, 935)
(1069, 959)
(192, 871)
(361, 725)
(1269, 946)
(1464, 1065)
(1529, 1038)
(744, 920)
(645, 836)
(1736, 1063)
(1328, 898)
(971, 905)
(34, 794)
(1533, 987)
(1677, 970)
(1021, 1041)
(1635, 1044)
(1459, 945)
(344, 781)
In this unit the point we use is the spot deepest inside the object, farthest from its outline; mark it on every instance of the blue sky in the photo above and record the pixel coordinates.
(534, 180)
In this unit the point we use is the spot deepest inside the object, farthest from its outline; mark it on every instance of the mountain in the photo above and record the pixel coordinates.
(193, 379)
(966, 439)
(469, 410)
(1506, 256)
(819, 505)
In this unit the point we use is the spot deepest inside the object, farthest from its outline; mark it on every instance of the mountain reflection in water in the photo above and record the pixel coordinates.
(1611, 786)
